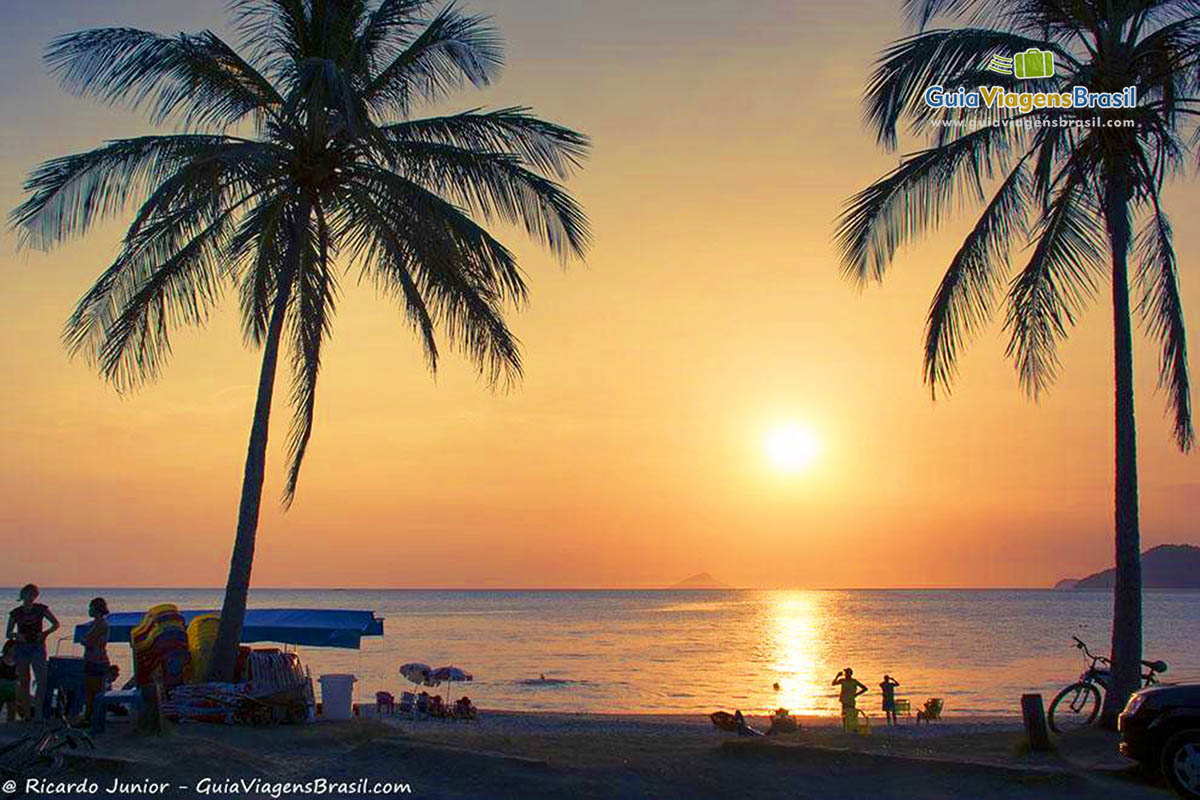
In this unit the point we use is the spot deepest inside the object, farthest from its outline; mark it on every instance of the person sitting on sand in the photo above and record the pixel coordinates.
(29, 652)
(783, 722)
(851, 689)
(744, 729)
(888, 687)
(95, 655)
(8, 681)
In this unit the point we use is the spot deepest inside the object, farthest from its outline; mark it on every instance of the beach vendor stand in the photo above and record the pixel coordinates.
(172, 649)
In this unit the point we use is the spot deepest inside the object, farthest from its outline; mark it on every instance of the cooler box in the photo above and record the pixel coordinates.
(337, 696)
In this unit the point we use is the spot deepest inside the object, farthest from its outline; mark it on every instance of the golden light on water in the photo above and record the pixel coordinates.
(797, 639)
(791, 447)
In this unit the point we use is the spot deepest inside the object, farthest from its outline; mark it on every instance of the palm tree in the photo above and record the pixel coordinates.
(298, 159)
(1073, 192)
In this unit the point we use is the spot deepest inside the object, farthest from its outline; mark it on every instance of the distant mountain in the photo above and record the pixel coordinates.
(1168, 566)
(700, 581)
(1066, 583)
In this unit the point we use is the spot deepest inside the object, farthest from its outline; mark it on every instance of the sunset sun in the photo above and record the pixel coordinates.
(791, 447)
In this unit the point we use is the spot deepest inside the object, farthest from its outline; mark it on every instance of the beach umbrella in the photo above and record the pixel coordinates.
(417, 673)
(450, 675)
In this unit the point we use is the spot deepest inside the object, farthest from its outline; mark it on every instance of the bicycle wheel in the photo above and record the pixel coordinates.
(1074, 707)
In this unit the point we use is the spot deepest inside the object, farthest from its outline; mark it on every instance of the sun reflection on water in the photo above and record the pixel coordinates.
(798, 641)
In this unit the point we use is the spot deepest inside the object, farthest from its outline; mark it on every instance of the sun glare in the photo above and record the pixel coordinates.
(791, 447)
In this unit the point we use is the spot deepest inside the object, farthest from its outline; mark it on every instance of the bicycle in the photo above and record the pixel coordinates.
(1078, 705)
(39, 754)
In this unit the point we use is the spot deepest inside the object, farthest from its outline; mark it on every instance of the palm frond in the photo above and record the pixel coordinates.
(964, 298)
(66, 195)
(263, 242)
(498, 186)
(123, 324)
(452, 49)
(465, 276)
(387, 29)
(1045, 298)
(877, 221)
(1161, 308)
(389, 262)
(546, 146)
(195, 78)
(313, 298)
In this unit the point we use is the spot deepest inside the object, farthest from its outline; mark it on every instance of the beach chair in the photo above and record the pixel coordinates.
(385, 702)
(408, 703)
(931, 711)
(903, 707)
(463, 709)
(855, 720)
(423, 703)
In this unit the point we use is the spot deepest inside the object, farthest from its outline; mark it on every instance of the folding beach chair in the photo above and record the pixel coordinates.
(931, 711)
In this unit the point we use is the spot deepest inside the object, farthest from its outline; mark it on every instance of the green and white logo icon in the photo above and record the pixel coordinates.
(1033, 63)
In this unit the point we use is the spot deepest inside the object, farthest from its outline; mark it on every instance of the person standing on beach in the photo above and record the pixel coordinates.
(851, 689)
(95, 655)
(888, 687)
(29, 652)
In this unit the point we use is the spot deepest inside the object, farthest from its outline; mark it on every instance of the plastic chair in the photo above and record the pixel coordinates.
(385, 702)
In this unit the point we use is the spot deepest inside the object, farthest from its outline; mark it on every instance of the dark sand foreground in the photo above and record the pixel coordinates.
(523, 756)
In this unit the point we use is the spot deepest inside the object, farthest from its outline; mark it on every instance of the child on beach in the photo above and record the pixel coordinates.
(851, 689)
(8, 681)
(29, 652)
(888, 687)
(95, 655)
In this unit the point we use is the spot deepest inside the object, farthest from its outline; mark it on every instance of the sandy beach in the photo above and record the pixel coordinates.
(516, 755)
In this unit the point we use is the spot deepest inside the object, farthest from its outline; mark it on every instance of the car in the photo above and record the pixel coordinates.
(1160, 729)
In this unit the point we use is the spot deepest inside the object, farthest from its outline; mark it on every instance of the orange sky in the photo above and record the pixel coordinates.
(726, 137)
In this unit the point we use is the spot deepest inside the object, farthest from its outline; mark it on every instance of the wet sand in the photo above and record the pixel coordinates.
(513, 755)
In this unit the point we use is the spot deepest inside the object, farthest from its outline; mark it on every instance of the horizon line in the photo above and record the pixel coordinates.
(650, 588)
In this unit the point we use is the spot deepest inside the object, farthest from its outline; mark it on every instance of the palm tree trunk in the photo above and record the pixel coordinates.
(233, 609)
(1127, 591)
(237, 586)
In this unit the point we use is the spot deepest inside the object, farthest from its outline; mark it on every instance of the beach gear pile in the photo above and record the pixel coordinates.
(271, 686)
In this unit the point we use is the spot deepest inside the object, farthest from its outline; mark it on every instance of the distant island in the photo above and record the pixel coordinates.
(702, 580)
(1168, 566)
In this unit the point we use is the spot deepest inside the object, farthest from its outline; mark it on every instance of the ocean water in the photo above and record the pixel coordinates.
(697, 651)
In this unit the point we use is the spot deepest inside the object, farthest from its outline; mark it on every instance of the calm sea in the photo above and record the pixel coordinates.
(690, 651)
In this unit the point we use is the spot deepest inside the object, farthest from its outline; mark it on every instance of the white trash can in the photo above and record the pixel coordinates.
(337, 696)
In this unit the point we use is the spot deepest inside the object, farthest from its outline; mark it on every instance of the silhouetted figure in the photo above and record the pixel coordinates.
(888, 687)
(29, 652)
(851, 689)
(95, 655)
(8, 681)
